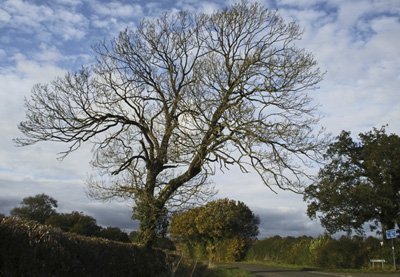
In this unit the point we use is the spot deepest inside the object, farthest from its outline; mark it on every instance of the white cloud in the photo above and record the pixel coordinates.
(116, 9)
(299, 3)
(349, 12)
(27, 14)
(206, 7)
(73, 3)
(44, 21)
(36, 72)
(4, 16)
(359, 52)
(48, 54)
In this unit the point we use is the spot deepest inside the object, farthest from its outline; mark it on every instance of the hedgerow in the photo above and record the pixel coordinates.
(30, 249)
(323, 251)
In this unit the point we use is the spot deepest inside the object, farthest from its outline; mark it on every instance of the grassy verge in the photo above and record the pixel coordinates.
(283, 265)
(223, 271)
(388, 269)
(202, 269)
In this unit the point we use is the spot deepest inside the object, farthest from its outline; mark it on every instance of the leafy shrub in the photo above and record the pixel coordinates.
(340, 253)
(229, 250)
(218, 231)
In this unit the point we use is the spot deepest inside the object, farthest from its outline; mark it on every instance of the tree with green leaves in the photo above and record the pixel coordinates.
(38, 207)
(360, 183)
(114, 233)
(218, 222)
(75, 222)
(180, 96)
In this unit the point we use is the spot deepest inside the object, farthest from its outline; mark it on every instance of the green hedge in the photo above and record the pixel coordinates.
(323, 251)
(30, 249)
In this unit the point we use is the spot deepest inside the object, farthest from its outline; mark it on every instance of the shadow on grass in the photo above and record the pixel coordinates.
(308, 269)
(202, 270)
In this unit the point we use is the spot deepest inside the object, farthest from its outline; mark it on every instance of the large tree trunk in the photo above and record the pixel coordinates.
(147, 231)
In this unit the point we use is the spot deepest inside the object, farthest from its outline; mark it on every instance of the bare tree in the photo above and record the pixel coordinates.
(182, 96)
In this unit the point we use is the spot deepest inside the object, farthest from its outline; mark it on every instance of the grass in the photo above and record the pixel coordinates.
(283, 265)
(204, 270)
(387, 270)
(222, 270)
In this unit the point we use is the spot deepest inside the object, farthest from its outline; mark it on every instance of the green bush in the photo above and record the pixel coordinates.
(276, 249)
(340, 253)
(30, 249)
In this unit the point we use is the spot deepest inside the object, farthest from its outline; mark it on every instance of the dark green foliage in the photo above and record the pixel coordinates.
(164, 243)
(85, 225)
(360, 183)
(134, 236)
(277, 249)
(159, 242)
(114, 233)
(75, 222)
(323, 251)
(31, 249)
(38, 208)
(340, 253)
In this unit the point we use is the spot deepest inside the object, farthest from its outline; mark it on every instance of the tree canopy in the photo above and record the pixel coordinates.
(181, 96)
(217, 220)
(75, 222)
(114, 233)
(360, 183)
(38, 208)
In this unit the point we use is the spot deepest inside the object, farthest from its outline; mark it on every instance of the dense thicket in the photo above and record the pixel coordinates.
(323, 251)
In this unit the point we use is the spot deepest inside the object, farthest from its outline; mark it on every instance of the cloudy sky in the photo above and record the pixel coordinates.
(356, 42)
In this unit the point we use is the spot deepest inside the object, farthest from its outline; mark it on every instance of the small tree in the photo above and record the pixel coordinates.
(179, 94)
(38, 207)
(360, 183)
(215, 224)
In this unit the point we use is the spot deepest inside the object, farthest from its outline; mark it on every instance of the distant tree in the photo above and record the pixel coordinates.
(360, 183)
(2, 216)
(181, 96)
(75, 222)
(114, 233)
(38, 207)
(61, 221)
(216, 222)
